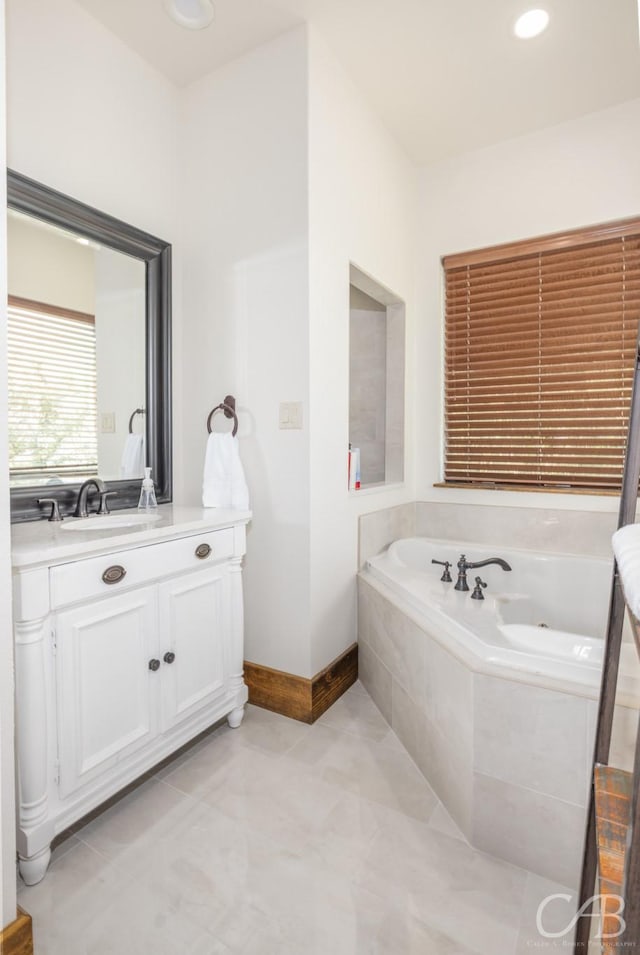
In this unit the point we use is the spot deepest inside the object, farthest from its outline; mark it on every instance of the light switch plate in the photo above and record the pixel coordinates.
(290, 415)
(107, 422)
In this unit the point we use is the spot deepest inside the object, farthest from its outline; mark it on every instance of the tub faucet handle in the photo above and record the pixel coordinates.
(477, 592)
(446, 576)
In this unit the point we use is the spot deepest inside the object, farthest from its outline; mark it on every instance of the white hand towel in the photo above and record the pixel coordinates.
(626, 548)
(223, 482)
(132, 463)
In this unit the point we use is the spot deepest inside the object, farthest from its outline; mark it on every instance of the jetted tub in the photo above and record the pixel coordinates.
(545, 619)
(496, 699)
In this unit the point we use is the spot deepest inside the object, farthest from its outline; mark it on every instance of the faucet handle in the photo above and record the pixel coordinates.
(446, 576)
(477, 593)
(104, 507)
(55, 507)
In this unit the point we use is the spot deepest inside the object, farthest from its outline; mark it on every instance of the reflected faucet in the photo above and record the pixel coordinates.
(81, 507)
(464, 565)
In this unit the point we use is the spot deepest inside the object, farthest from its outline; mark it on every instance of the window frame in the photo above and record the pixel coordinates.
(544, 247)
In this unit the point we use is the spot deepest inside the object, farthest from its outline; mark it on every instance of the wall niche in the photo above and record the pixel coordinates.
(376, 379)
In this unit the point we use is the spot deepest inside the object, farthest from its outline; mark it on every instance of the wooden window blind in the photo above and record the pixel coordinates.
(540, 342)
(52, 392)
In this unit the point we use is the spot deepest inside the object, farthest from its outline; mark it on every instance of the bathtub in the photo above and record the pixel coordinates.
(496, 699)
(544, 621)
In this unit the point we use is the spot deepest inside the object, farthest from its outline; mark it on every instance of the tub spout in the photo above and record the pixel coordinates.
(464, 565)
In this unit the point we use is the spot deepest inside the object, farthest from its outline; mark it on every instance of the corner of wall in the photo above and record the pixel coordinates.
(7, 786)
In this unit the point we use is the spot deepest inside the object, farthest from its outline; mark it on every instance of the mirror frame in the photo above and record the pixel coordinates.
(39, 201)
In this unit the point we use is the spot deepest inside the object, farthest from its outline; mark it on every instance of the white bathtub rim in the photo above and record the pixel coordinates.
(497, 549)
(492, 666)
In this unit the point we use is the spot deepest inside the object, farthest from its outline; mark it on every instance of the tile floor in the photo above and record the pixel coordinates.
(291, 839)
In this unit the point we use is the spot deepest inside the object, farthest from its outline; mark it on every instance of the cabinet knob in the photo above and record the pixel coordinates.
(169, 656)
(113, 574)
(154, 665)
(202, 551)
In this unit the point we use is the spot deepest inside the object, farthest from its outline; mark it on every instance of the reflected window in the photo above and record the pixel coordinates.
(52, 394)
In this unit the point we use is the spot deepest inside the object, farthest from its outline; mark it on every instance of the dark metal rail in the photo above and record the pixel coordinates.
(628, 941)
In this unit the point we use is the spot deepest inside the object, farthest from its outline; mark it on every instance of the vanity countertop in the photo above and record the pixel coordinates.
(40, 543)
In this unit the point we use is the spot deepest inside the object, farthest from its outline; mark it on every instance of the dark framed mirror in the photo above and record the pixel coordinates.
(113, 361)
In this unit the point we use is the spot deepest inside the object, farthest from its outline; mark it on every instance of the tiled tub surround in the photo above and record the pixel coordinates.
(559, 531)
(510, 759)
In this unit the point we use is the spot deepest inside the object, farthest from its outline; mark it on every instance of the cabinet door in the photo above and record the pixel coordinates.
(106, 692)
(194, 612)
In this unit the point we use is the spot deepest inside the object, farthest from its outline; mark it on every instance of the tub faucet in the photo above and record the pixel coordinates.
(464, 565)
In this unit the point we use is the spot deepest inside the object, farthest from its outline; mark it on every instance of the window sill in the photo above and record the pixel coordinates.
(526, 489)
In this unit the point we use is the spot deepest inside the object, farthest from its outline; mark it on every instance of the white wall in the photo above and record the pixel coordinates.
(362, 209)
(278, 146)
(7, 801)
(571, 175)
(244, 143)
(88, 117)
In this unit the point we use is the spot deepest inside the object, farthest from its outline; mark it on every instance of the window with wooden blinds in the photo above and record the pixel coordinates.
(540, 341)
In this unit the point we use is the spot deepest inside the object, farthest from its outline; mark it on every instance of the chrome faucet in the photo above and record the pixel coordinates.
(464, 565)
(81, 507)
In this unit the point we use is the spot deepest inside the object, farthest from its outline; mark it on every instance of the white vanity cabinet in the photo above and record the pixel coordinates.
(121, 657)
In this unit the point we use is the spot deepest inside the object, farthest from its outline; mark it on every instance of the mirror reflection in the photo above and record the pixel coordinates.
(76, 336)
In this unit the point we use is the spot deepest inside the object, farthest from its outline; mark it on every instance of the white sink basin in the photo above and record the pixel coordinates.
(108, 522)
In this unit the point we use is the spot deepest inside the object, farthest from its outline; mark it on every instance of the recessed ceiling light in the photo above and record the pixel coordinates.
(192, 14)
(530, 24)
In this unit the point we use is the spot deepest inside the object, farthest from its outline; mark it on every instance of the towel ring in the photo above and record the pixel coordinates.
(137, 411)
(228, 406)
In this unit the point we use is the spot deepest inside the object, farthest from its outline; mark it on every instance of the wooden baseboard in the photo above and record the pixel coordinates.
(299, 697)
(279, 691)
(329, 685)
(17, 938)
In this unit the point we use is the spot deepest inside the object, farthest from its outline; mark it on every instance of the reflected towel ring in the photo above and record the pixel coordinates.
(228, 406)
(137, 411)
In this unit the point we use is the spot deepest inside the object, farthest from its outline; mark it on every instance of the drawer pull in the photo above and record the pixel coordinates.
(202, 551)
(169, 656)
(113, 574)
(154, 665)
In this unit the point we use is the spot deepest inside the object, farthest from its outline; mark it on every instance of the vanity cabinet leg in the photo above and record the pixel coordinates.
(234, 719)
(236, 679)
(32, 747)
(33, 869)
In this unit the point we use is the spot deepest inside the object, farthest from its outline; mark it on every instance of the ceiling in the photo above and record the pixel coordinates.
(445, 76)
